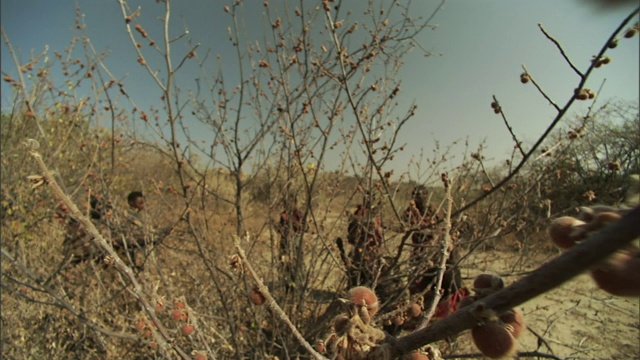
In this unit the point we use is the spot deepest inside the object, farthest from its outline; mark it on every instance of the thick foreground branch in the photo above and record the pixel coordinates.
(580, 258)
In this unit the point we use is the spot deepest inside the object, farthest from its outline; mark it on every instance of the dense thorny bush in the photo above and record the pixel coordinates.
(268, 186)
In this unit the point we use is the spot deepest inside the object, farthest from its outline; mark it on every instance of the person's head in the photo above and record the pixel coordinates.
(136, 200)
(420, 192)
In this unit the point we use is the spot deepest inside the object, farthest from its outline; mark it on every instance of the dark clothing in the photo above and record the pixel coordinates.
(365, 234)
(128, 236)
(291, 224)
(134, 237)
(419, 213)
(79, 245)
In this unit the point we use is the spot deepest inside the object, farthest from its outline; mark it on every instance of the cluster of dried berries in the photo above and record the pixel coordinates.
(353, 334)
(180, 313)
(603, 60)
(496, 107)
(584, 94)
(256, 296)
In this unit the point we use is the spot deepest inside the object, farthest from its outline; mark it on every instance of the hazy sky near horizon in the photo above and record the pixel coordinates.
(480, 48)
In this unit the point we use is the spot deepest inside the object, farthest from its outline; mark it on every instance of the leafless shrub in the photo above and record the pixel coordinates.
(312, 87)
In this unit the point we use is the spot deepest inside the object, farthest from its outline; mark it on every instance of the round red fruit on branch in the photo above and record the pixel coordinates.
(187, 329)
(140, 324)
(179, 304)
(363, 296)
(159, 306)
(620, 274)
(414, 310)
(416, 355)
(563, 231)
(485, 284)
(256, 297)
(493, 340)
(397, 320)
(179, 315)
(514, 322)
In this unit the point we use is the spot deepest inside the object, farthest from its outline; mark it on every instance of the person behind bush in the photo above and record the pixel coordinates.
(421, 213)
(364, 232)
(136, 234)
(290, 225)
(77, 243)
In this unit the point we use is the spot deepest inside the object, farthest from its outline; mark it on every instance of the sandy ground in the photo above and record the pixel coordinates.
(580, 321)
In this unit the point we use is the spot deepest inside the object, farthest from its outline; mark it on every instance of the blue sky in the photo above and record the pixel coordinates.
(481, 46)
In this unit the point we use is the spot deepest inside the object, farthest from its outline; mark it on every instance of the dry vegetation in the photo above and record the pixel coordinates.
(192, 299)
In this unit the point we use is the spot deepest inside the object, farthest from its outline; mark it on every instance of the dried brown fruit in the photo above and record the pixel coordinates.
(619, 275)
(187, 329)
(397, 320)
(603, 219)
(416, 355)
(563, 231)
(414, 310)
(361, 295)
(256, 297)
(514, 321)
(485, 284)
(179, 315)
(493, 340)
(630, 33)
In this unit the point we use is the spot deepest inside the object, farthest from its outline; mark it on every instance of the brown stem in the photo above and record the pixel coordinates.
(444, 249)
(564, 55)
(271, 302)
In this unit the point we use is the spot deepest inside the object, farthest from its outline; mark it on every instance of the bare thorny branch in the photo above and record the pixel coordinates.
(561, 113)
(570, 264)
(162, 335)
(271, 302)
